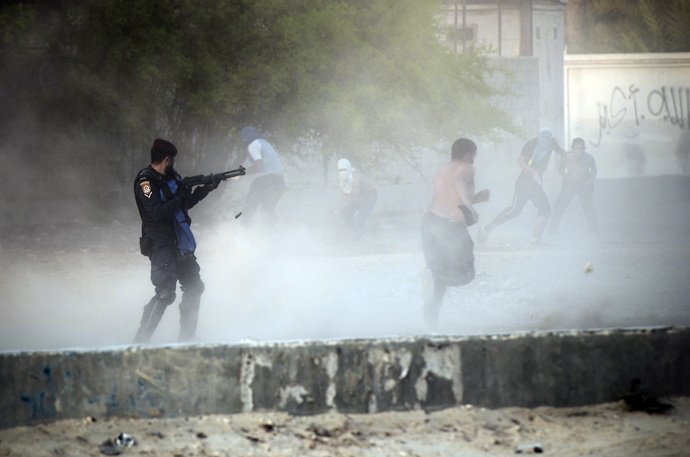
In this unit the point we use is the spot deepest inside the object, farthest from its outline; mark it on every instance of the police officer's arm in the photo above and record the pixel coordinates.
(200, 192)
(148, 193)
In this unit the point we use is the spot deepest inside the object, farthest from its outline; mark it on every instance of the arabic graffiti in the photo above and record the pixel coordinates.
(666, 104)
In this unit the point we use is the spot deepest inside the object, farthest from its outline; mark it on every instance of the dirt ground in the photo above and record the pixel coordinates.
(607, 430)
(298, 284)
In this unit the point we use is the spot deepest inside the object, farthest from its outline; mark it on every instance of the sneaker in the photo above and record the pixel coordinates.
(427, 287)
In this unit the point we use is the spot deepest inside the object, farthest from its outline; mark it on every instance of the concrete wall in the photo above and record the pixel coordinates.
(633, 110)
(357, 376)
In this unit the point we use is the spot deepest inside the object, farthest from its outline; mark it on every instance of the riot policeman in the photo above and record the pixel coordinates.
(163, 202)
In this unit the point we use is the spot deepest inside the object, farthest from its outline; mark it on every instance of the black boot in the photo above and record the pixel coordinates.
(189, 312)
(153, 312)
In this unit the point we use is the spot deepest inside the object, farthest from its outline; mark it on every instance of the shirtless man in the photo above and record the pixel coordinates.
(448, 248)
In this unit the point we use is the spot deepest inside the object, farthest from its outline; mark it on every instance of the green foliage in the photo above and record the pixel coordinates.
(358, 76)
(14, 19)
(637, 26)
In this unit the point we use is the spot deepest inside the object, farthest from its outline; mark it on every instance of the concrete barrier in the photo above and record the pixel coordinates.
(352, 376)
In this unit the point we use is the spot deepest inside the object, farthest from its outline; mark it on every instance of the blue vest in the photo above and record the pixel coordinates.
(185, 239)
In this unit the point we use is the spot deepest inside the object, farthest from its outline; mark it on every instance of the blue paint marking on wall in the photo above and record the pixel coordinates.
(111, 403)
(146, 394)
(67, 397)
(38, 401)
(37, 405)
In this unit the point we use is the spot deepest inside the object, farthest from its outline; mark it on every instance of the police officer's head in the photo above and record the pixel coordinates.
(463, 148)
(163, 151)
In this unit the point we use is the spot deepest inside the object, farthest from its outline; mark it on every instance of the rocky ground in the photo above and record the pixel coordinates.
(605, 430)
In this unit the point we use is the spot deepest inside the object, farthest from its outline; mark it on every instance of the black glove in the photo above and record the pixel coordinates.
(469, 217)
(200, 192)
(213, 184)
(182, 192)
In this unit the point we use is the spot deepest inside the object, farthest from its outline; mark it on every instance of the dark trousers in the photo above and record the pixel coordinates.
(265, 191)
(569, 190)
(526, 189)
(355, 216)
(449, 253)
(167, 268)
(448, 250)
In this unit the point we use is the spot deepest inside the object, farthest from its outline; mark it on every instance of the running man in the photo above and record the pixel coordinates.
(448, 248)
(533, 160)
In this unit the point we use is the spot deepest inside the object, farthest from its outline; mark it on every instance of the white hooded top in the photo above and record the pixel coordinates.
(345, 172)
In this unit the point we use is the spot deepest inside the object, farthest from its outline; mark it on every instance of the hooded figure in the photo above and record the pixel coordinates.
(543, 145)
(357, 200)
(345, 173)
(269, 185)
(249, 134)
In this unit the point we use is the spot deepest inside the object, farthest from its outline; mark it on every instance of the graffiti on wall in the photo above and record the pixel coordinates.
(666, 104)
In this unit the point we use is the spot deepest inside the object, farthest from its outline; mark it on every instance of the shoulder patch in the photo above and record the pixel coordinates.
(146, 188)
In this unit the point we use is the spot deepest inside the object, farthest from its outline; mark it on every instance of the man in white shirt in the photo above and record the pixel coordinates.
(269, 184)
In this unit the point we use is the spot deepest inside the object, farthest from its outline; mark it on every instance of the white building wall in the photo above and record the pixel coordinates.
(633, 110)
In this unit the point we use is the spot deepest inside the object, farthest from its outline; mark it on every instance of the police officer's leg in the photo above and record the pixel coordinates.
(153, 312)
(164, 277)
(192, 287)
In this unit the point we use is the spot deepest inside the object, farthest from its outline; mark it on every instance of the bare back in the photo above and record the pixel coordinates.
(453, 186)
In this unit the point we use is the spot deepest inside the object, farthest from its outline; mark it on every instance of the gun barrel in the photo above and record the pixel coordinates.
(233, 173)
(200, 180)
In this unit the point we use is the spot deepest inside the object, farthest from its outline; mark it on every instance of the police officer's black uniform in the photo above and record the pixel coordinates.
(158, 207)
